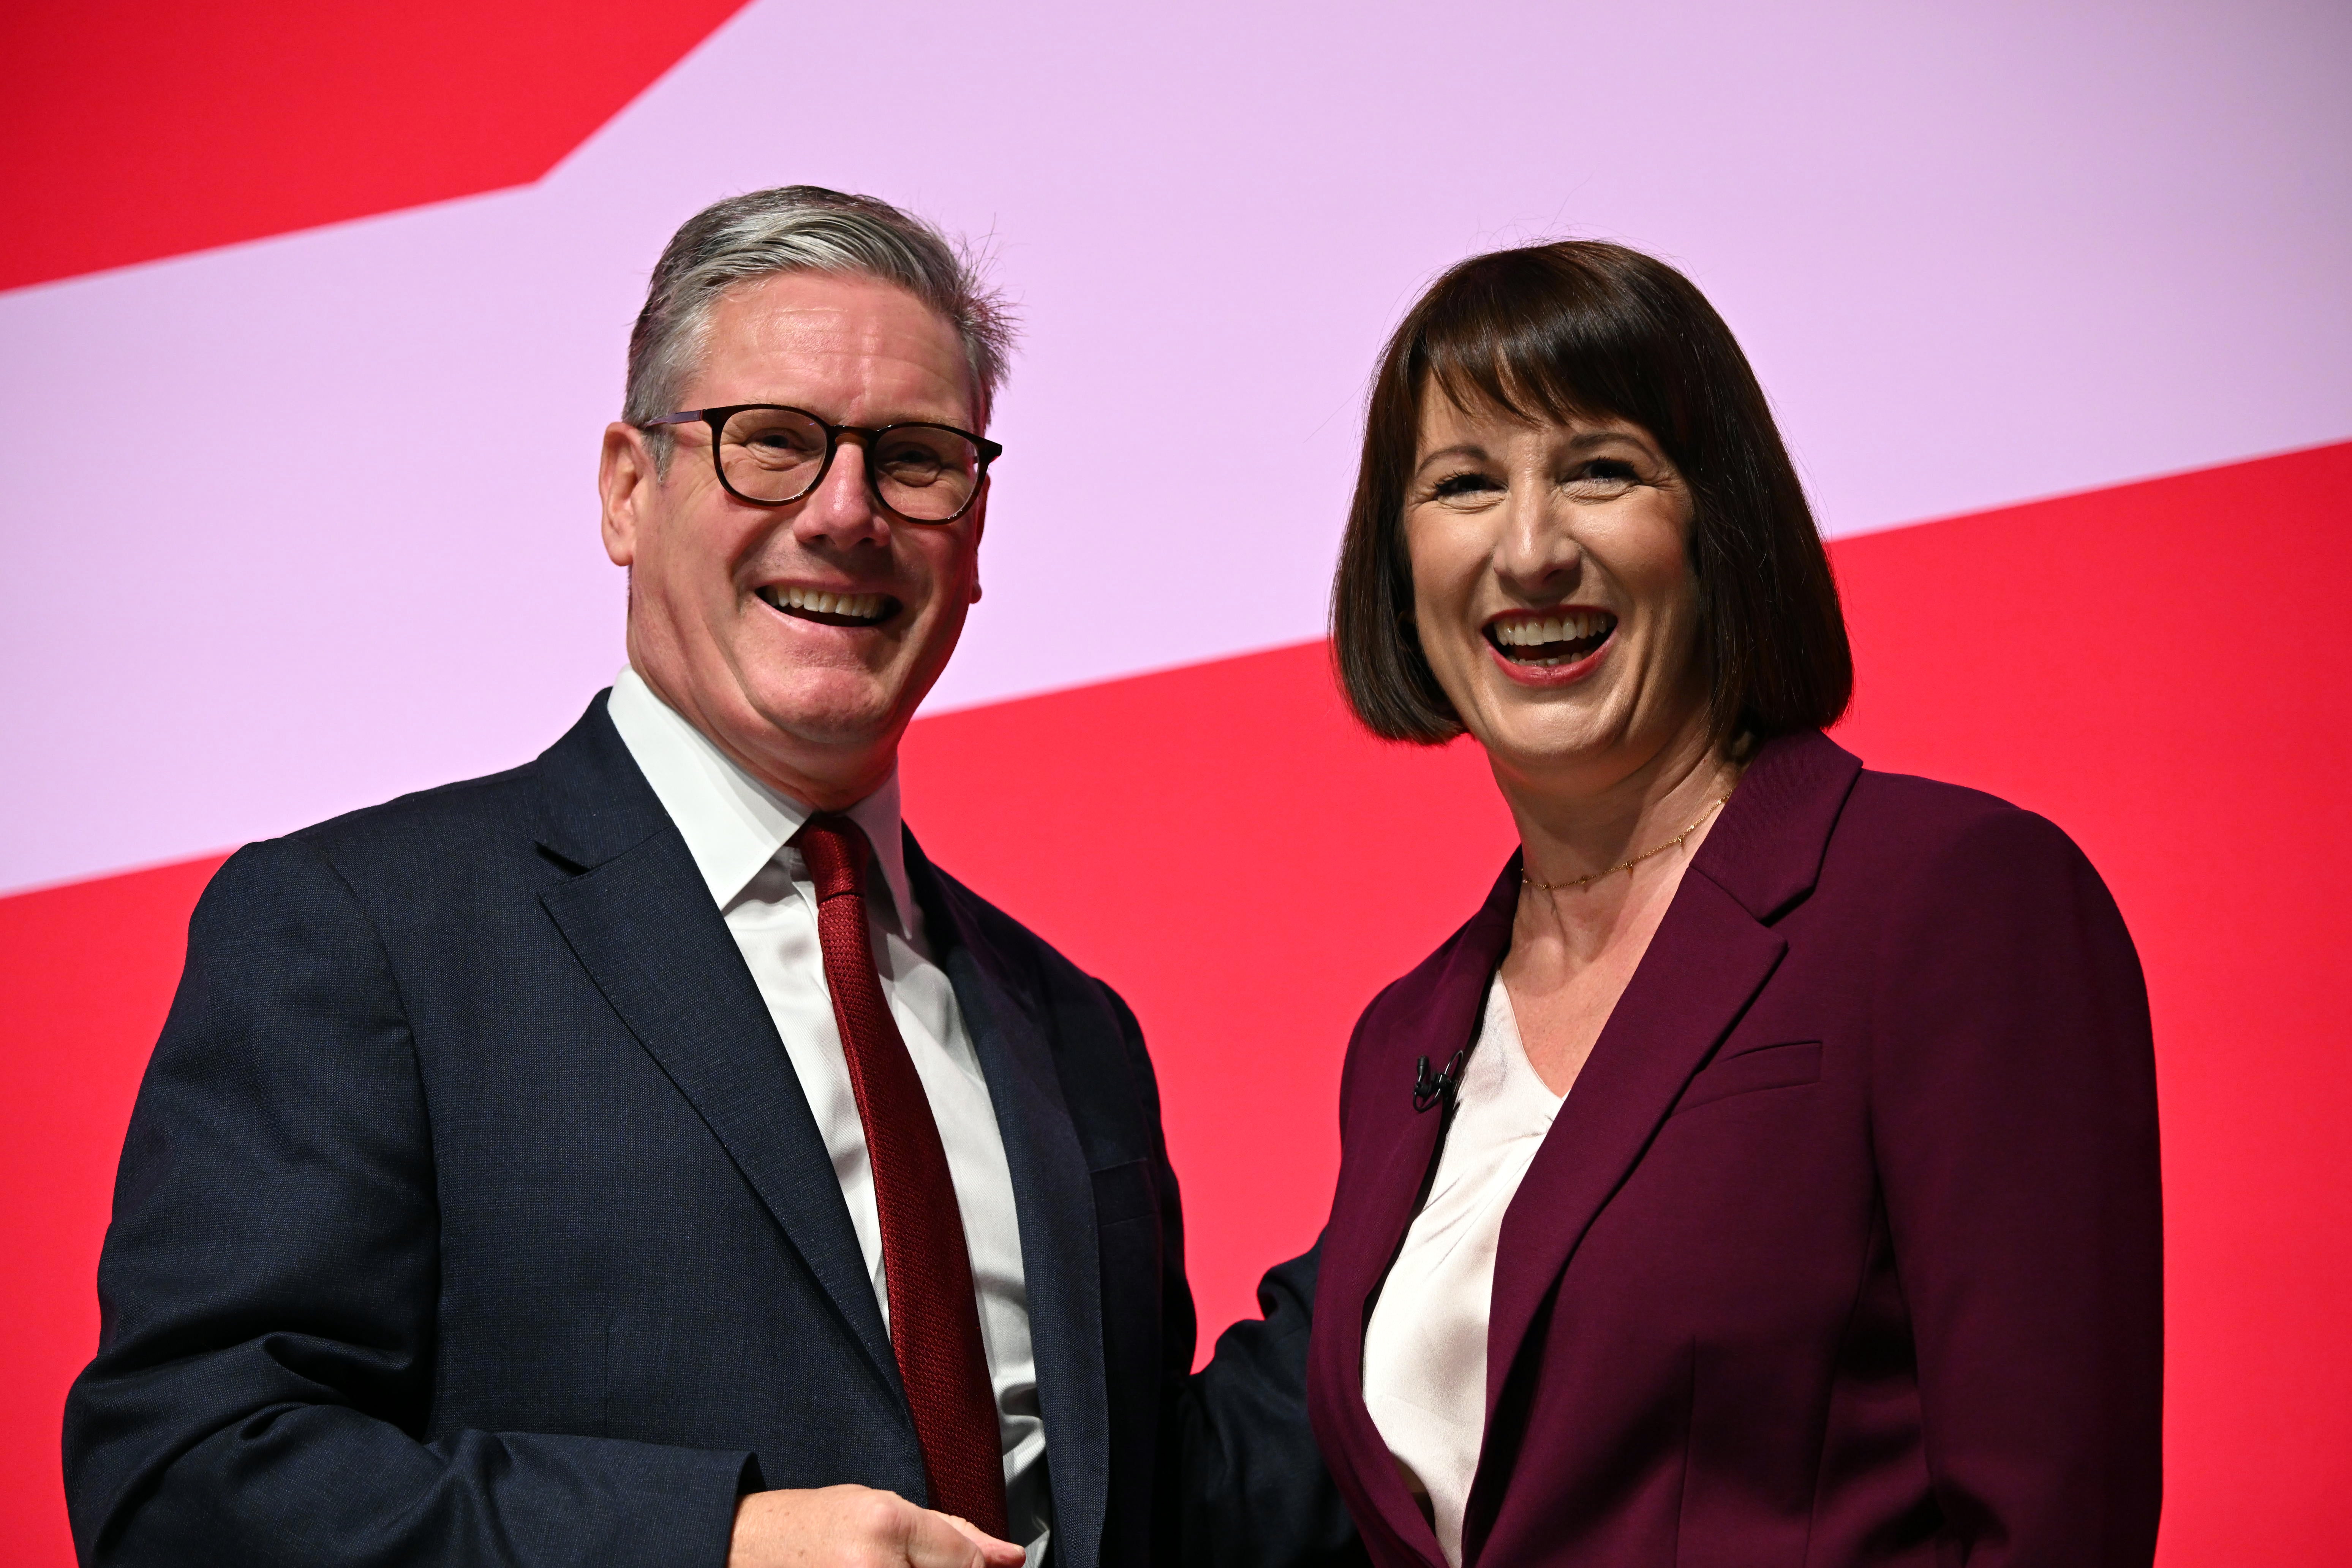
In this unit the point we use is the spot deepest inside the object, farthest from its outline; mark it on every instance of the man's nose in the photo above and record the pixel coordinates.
(842, 508)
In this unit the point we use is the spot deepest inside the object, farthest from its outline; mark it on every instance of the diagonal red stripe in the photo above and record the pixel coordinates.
(138, 129)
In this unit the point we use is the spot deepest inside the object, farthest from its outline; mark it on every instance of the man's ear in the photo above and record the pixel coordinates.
(978, 527)
(624, 482)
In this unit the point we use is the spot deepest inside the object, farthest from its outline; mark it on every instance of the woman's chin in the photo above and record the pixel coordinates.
(1541, 745)
(1574, 745)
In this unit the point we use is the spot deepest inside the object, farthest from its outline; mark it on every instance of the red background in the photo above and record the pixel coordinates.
(138, 129)
(2153, 666)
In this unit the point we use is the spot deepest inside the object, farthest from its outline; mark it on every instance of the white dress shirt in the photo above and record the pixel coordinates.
(1426, 1347)
(737, 830)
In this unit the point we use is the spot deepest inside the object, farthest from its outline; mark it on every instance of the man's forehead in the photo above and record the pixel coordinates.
(833, 326)
(817, 314)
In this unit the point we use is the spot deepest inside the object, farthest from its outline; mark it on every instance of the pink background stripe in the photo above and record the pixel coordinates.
(298, 524)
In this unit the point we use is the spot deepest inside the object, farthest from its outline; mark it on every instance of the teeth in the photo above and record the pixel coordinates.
(856, 606)
(1574, 626)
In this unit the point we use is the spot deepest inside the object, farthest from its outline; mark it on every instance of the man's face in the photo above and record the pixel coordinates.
(812, 701)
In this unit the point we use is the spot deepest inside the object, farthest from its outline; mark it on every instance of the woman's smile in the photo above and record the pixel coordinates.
(1552, 646)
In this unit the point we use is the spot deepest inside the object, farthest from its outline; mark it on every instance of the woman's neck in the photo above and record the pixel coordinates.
(1578, 825)
(1581, 929)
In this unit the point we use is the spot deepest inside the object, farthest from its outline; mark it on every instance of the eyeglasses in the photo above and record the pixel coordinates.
(771, 455)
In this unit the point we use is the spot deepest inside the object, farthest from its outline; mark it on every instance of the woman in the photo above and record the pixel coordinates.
(1766, 1173)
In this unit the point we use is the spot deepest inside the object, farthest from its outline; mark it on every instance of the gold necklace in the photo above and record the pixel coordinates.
(1581, 883)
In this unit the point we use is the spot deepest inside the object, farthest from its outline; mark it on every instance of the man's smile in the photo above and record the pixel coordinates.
(828, 607)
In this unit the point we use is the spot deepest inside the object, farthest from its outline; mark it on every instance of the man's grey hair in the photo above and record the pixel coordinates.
(803, 228)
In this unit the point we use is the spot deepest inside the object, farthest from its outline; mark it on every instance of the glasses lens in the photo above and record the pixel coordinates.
(927, 472)
(772, 454)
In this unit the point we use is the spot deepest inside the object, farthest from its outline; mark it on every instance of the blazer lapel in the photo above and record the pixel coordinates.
(1443, 1027)
(1711, 955)
(1705, 964)
(640, 921)
(1354, 1270)
(1052, 1195)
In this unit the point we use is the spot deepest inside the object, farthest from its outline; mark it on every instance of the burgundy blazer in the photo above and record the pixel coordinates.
(1845, 1246)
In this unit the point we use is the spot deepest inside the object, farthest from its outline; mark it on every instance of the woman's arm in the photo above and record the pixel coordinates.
(2013, 1112)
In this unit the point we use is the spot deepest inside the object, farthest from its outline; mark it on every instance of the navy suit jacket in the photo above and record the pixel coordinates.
(470, 1213)
(1844, 1248)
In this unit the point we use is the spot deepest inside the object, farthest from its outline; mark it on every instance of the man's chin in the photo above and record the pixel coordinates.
(824, 734)
(842, 718)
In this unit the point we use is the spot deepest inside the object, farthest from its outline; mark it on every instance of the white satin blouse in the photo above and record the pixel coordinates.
(1426, 1347)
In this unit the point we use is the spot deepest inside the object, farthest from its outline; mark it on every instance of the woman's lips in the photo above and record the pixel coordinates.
(1552, 648)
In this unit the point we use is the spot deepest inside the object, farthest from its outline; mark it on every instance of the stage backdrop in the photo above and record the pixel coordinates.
(311, 322)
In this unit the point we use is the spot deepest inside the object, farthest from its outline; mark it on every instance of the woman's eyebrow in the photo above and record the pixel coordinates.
(1583, 441)
(1459, 449)
(1586, 439)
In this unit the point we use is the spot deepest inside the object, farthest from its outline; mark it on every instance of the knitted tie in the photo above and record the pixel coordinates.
(934, 1321)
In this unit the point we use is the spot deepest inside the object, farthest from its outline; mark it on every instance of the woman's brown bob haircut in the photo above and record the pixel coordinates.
(1582, 330)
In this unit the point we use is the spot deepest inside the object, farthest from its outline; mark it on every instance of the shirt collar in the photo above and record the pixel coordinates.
(734, 824)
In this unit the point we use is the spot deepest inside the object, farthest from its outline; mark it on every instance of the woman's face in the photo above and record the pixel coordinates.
(1553, 590)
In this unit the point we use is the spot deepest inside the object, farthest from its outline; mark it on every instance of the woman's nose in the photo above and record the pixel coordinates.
(1537, 545)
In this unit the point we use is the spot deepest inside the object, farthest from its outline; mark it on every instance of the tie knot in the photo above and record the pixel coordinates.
(835, 851)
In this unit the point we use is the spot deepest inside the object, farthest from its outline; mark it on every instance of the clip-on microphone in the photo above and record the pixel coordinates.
(1432, 1090)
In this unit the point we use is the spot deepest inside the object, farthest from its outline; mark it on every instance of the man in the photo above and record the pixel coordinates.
(646, 1156)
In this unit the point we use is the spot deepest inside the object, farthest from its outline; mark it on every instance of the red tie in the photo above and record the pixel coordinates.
(934, 1321)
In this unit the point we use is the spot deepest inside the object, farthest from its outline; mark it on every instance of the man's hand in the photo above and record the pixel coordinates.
(857, 1527)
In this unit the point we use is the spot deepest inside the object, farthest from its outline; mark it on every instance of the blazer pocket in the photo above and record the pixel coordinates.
(1124, 1192)
(1767, 1067)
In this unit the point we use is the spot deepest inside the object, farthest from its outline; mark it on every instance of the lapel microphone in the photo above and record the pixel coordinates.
(1432, 1090)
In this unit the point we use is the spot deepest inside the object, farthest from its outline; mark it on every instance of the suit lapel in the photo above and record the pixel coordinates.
(640, 921)
(1443, 1027)
(1704, 966)
(1707, 961)
(1352, 1275)
(1712, 953)
(1052, 1195)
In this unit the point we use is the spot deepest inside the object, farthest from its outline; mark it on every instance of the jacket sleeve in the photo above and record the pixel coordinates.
(270, 1284)
(2013, 1111)
(1255, 1490)
(1238, 1481)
